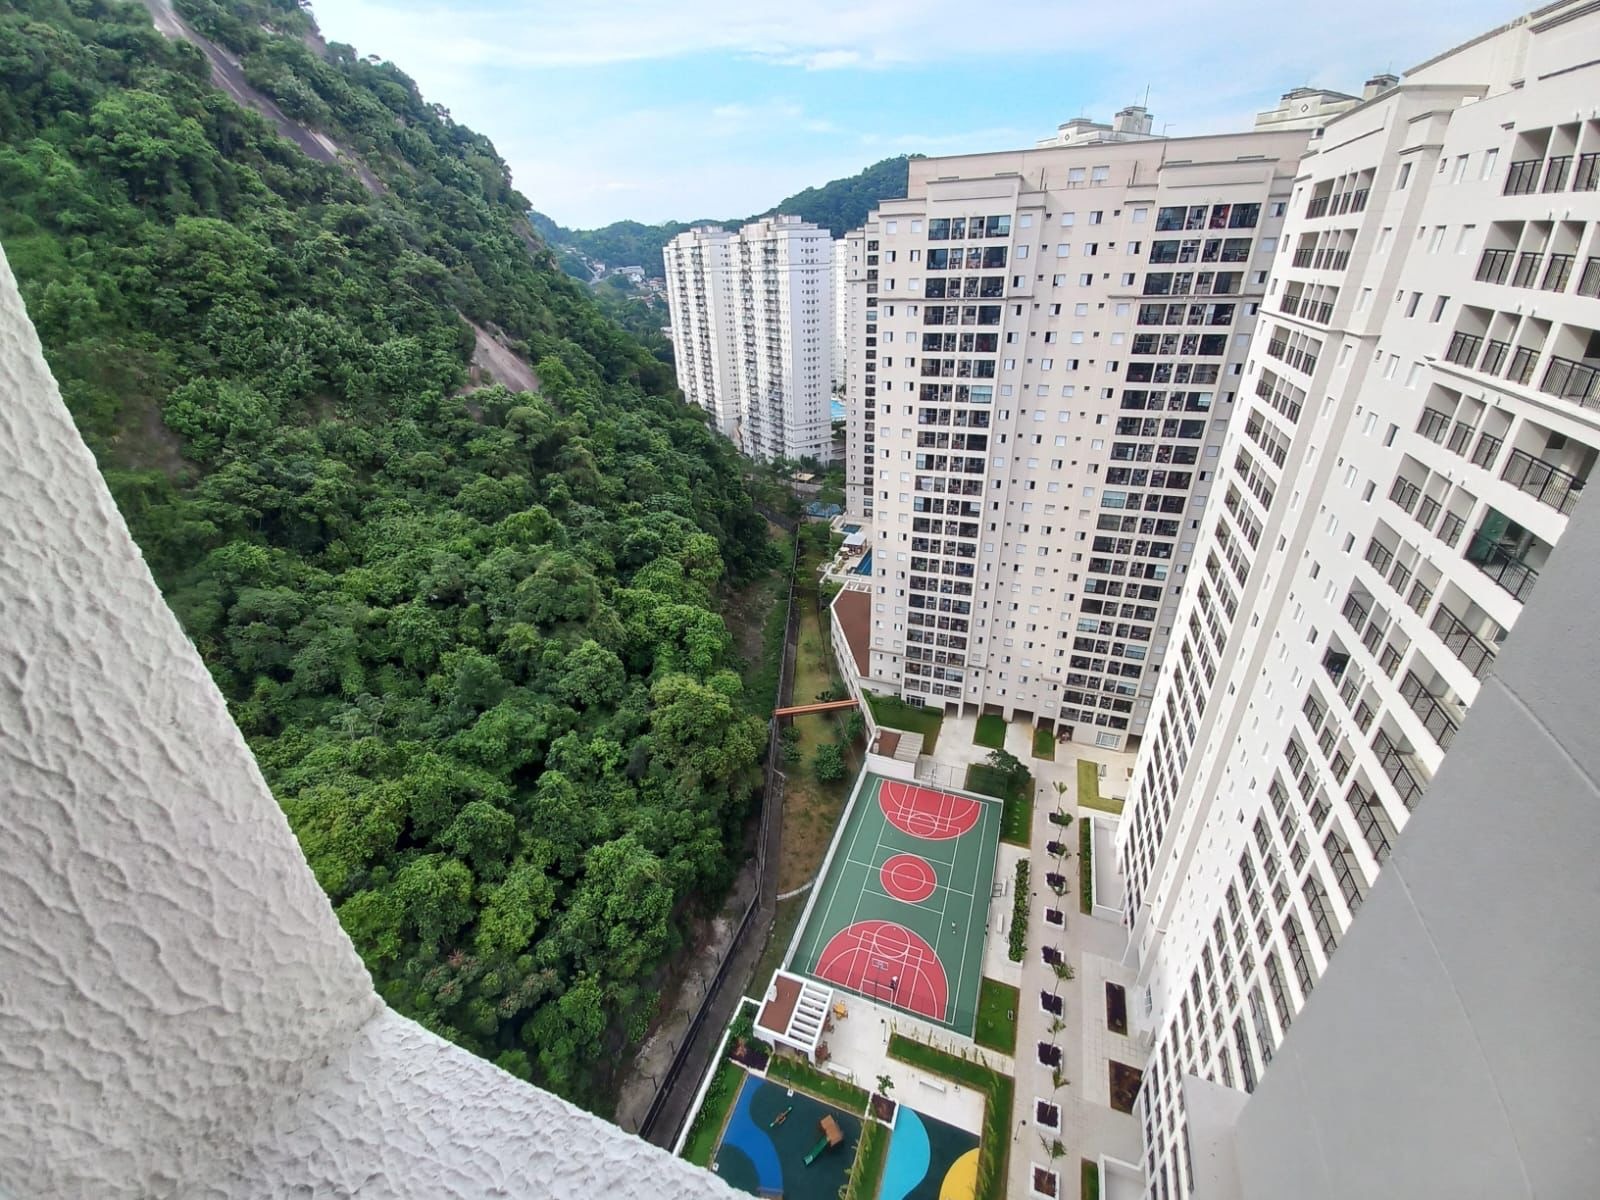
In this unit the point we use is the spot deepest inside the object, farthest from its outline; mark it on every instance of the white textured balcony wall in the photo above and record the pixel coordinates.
(180, 1012)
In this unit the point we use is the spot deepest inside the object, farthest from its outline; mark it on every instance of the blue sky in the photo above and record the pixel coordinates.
(608, 109)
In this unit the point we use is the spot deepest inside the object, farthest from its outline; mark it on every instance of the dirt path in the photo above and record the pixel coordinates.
(500, 364)
(228, 74)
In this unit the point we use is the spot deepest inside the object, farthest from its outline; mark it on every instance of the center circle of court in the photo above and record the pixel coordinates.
(908, 878)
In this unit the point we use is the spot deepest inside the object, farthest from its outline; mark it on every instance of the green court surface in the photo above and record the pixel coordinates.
(900, 915)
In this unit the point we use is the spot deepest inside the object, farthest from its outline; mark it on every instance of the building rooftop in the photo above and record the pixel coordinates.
(853, 607)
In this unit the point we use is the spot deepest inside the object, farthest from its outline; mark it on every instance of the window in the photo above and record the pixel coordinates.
(1438, 309)
(1097, 215)
(1140, 216)
(1460, 172)
(1064, 250)
(1490, 158)
(1069, 219)
(1436, 240)
(1411, 306)
(1464, 239)
(1405, 176)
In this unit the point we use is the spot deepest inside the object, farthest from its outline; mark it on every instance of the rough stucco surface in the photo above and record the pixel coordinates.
(180, 1013)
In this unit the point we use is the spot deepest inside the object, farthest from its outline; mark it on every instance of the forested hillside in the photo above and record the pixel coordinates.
(471, 638)
(839, 206)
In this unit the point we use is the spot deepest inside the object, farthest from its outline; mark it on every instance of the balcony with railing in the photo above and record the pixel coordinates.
(1587, 177)
(1404, 493)
(1401, 766)
(1527, 269)
(1572, 380)
(1544, 481)
(1508, 554)
(1476, 654)
(1450, 529)
(1440, 721)
(1556, 171)
(1522, 179)
(1486, 451)
(1494, 266)
(1434, 425)
(1494, 357)
(1428, 510)
(1522, 363)
(1463, 349)
(1589, 281)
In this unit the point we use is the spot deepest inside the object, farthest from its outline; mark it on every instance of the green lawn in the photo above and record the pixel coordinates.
(713, 1114)
(1089, 789)
(990, 732)
(997, 1016)
(897, 714)
(1085, 867)
(1044, 744)
(1016, 818)
(997, 1090)
(866, 1175)
(827, 1087)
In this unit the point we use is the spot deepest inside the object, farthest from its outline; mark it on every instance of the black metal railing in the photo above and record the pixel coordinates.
(1404, 493)
(1463, 349)
(1502, 566)
(1523, 177)
(1428, 511)
(1571, 380)
(1527, 269)
(1589, 281)
(1434, 425)
(1494, 357)
(1318, 206)
(1556, 171)
(1522, 363)
(1587, 176)
(1494, 266)
(1475, 654)
(1450, 529)
(1545, 482)
(1557, 271)
(1398, 765)
(1486, 451)
(1438, 720)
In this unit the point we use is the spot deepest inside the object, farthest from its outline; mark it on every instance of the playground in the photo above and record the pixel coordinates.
(783, 1142)
(900, 915)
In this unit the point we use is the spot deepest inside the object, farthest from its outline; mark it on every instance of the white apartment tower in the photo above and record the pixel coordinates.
(1420, 416)
(859, 396)
(702, 269)
(1049, 351)
(752, 332)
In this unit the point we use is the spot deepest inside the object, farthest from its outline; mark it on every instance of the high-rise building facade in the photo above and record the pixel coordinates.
(859, 381)
(752, 332)
(1420, 416)
(702, 270)
(1049, 352)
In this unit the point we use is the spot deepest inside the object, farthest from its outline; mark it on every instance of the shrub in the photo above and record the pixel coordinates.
(1019, 913)
(828, 763)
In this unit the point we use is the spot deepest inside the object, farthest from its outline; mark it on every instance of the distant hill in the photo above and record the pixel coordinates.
(839, 206)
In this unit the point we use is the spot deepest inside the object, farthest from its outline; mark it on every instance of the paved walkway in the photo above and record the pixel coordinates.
(1089, 1126)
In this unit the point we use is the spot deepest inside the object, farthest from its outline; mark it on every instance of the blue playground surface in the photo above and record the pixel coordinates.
(929, 1160)
(764, 1159)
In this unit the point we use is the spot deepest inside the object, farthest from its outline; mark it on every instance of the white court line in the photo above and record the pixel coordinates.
(972, 917)
(814, 953)
(876, 872)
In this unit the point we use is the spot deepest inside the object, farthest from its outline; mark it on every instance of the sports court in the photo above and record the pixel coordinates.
(899, 916)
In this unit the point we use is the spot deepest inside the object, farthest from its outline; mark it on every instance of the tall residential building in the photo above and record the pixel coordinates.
(702, 269)
(836, 360)
(1050, 347)
(752, 332)
(1420, 416)
(859, 396)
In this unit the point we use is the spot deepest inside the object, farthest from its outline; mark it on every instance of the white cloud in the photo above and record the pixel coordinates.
(1356, 37)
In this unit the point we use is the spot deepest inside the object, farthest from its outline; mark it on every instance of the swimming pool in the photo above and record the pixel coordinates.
(865, 567)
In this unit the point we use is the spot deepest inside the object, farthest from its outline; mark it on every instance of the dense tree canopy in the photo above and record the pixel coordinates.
(838, 206)
(470, 635)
